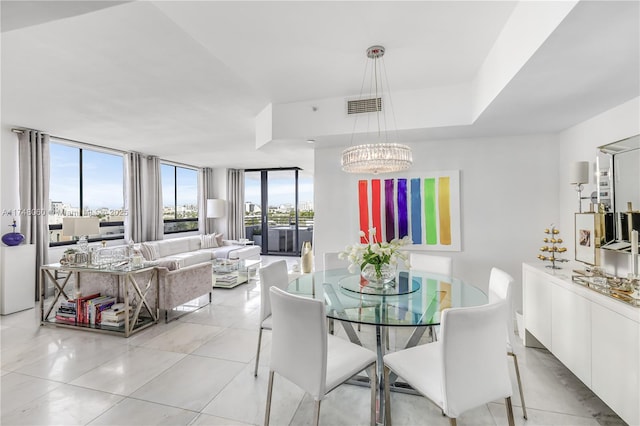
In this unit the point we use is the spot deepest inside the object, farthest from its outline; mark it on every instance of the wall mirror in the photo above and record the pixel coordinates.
(618, 181)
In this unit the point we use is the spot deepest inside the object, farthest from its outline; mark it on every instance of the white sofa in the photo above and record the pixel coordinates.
(177, 253)
(185, 270)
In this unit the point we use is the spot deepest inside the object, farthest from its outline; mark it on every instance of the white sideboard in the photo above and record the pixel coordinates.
(17, 278)
(593, 335)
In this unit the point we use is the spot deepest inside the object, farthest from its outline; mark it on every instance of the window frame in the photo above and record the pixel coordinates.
(175, 219)
(58, 226)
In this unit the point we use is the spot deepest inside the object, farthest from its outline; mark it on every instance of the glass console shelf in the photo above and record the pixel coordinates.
(614, 287)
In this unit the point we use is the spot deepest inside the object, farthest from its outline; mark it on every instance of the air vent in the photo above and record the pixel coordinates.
(364, 105)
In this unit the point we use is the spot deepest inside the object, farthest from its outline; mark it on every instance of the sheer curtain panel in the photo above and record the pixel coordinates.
(205, 177)
(235, 194)
(33, 155)
(143, 198)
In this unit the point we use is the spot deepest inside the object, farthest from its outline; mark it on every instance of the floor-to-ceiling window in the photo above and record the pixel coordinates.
(180, 198)
(85, 182)
(279, 209)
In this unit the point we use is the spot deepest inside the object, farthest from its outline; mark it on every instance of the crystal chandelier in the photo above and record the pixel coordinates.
(381, 157)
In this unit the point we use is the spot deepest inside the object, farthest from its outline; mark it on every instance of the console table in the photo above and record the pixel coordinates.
(125, 279)
(595, 336)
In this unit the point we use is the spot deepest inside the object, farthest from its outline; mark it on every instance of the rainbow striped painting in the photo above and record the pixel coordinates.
(427, 209)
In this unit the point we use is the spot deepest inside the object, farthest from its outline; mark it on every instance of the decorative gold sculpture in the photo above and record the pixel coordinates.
(552, 249)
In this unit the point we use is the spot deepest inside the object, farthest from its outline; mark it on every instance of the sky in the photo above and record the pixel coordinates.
(103, 181)
(281, 187)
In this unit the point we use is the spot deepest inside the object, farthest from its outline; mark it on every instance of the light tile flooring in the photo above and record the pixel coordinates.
(198, 370)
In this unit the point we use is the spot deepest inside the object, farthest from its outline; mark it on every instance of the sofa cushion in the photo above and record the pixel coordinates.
(248, 252)
(170, 263)
(149, 250)
(194, 243)
(209, 241)
(219, 240)
(172, 246)
(192, 257)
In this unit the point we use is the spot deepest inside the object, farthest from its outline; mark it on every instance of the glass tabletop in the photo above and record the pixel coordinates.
(415, 298)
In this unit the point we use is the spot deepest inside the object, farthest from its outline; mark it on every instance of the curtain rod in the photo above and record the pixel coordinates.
(103, 148)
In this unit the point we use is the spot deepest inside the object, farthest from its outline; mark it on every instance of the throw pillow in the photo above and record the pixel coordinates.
(208, 241)
(219, 240)
(148, 251)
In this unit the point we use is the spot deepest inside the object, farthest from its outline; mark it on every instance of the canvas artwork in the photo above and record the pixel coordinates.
(425, 208)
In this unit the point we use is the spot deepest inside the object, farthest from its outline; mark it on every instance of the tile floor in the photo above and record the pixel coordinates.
(198, 370)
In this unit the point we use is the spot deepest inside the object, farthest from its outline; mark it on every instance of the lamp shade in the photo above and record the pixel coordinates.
(579, 172)
(80, 226)
(216, 208)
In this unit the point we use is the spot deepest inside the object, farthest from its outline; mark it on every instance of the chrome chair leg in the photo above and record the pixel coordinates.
(373, 379)
(316, 413)
(515, 363)
(255, 372)
(387, 397)
(267, 411)
(509, 411)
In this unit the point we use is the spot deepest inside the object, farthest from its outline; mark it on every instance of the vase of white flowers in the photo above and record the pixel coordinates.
(377, 260)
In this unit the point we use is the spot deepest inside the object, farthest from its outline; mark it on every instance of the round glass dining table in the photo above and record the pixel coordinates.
(413, 299)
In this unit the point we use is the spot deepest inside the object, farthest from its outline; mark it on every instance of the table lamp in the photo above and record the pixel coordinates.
(579, 175)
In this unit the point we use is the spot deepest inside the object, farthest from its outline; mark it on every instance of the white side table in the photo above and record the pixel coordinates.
(17, 278)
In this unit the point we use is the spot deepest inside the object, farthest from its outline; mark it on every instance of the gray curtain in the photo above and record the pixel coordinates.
(33, 155)
(235, 204)
(206, 192)
(143, 198)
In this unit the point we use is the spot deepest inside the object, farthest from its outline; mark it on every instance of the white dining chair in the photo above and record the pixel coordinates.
(500, 288)
(441, 265)
(465, 369)
(331, 260)
(305, 354)
(273, 274)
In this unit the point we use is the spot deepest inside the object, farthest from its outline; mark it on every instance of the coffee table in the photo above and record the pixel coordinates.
(231, 273)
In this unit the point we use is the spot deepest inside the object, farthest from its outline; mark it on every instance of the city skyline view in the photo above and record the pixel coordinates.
(103, 186)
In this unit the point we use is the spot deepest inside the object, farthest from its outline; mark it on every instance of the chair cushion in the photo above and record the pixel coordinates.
(421, 367)
(344, 360)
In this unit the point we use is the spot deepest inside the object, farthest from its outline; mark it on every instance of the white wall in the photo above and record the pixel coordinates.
(9, 195)
(508, 196)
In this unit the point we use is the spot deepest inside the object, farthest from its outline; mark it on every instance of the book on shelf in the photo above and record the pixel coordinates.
(113, 317)
(65, 320)
(81, 307)
(227, 279)
(97, 306)
(116, 324)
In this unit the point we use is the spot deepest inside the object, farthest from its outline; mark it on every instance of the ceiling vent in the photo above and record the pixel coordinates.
(360, 106)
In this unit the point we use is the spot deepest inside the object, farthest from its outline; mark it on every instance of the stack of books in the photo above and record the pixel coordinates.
(227, 279)
(114, 316)
(96, 306)
(66, 313)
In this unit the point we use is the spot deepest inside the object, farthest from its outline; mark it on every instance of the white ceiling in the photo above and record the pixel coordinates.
(185, 80)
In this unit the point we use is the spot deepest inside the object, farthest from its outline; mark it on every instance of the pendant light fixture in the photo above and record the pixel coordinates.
(382, 156)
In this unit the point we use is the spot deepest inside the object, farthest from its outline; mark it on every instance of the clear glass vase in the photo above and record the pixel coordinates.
(378, 278)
